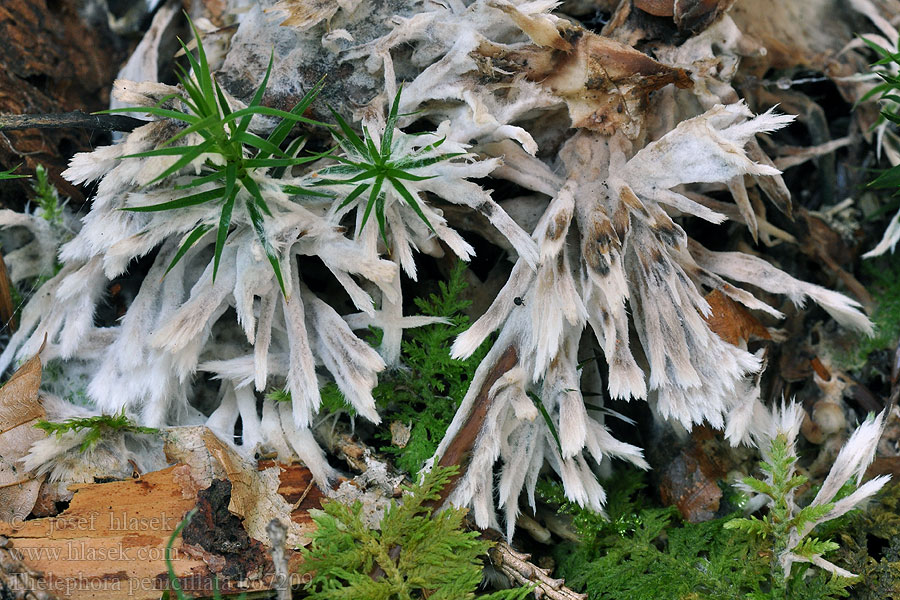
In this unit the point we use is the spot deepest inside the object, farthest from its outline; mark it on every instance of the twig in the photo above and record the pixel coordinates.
(277, 535)
(7, 310)
(303, 495)
(459, 449)
(76, 119)
(518, 569)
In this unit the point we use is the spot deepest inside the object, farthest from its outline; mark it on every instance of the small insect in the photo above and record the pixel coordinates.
(518, 301)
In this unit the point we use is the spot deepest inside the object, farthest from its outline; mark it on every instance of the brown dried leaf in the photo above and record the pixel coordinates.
(400, 433)
(690, 478)
(604, 83)
(19, 411)
(731, 321)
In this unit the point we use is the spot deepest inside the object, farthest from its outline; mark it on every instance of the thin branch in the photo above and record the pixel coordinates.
(74, 120)
(520, 571)
(459, 450)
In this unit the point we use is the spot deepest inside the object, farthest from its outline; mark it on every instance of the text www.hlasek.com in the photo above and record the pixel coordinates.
(82, 550)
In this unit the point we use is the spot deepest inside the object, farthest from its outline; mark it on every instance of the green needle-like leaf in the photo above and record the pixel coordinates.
(281, 131)
(398, 174)
(222, 232)
(277, 162)
(169, 151)
(198, 181)
(9, 174)
(223, 101)
(201, 71)
(540, 406)
(425, 162)
(201, 127)
(388, 138)
(348, 132)
(373, 155)
(291, 151)
(251, 186)
(196, 101)
(379, 215)
(354, 195)
(348, 167)
(192, 200)
(189, 241)
(373, 196)
(151, 110)
(295, 190)
(270, 112)
(295, 146)
(257, 221)
(251, 139)
(186, 159)
(401, 189)
(367, 174)
(257, 97)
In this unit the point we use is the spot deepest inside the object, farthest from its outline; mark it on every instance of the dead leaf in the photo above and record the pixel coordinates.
(733, 322)
(690, 480)
(400, 433)
(657, 8)
(19, 411)
(604, 83)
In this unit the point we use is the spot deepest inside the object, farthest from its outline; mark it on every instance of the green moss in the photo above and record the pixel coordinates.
(870, 546)
(426, 391)
(97, 427)
(646, 553)
(882, 277)
(414, 554)
(47, 197)
(643, 552)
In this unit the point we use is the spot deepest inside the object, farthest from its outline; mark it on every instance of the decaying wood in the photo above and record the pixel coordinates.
(17, 580)
(111, 539)
(53, 60)
(110, 542)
